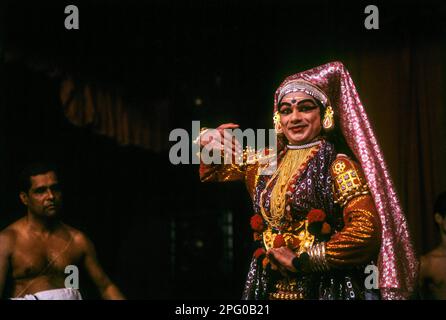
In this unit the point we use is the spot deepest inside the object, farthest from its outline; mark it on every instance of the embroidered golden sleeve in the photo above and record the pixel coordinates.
(247, 172)
(221, 172)
(359, 241)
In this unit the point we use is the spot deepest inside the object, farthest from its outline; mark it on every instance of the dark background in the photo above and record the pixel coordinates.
(159, 232)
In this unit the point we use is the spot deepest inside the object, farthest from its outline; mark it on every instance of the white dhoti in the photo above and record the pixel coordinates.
(55, 294)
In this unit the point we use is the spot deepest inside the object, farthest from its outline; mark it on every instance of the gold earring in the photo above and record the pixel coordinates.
(328, 121)
(277, 125)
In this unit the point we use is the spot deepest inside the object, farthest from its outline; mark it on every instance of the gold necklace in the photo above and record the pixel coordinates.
(289, 166)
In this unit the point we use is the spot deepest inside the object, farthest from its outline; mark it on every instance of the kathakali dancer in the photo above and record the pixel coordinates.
(328, 216)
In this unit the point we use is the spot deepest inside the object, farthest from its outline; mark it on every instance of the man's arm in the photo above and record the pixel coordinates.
(423, 278)
(106, 287)
(6, 242)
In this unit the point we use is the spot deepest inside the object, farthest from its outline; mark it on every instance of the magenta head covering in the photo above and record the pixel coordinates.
(397, 263)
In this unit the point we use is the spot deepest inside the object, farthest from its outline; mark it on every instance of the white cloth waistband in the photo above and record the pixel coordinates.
(54, 294)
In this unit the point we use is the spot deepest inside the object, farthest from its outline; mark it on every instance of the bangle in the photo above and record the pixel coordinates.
(317, 260)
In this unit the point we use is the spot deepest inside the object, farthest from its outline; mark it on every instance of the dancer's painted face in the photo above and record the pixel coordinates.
(300, 117)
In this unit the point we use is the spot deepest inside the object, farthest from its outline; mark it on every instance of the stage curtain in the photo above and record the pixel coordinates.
(402, 89)
(109, 114)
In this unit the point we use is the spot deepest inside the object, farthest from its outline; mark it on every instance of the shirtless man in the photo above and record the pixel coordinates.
(433, 264)
(35, 249)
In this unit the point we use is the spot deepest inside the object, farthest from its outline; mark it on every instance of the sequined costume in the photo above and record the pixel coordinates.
(323, 204)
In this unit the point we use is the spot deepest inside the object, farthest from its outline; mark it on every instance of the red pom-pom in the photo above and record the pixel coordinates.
(265, 262)
(279, 241)
(257, 223)
(257, 236)
(259, 252)
(326, 229)
(316, 215)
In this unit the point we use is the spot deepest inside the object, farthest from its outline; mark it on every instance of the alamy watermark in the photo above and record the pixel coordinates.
(224, 147)
(72, 280)
(372, 20)
(372, 280)
(72, 19)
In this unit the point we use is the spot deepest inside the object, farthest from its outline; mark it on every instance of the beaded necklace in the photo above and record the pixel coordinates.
(289, 170)
(303, 146)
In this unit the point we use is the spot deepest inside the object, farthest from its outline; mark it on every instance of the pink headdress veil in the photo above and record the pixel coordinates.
(397, 263)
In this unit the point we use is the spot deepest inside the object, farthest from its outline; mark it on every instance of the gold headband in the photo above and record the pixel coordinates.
(304, 86)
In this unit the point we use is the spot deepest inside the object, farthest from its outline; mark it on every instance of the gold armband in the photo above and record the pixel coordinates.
(348, 180)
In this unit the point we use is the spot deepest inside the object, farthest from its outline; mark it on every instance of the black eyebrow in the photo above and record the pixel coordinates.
(300, 102)
(51, 186)
(306, 100)
(284, 104)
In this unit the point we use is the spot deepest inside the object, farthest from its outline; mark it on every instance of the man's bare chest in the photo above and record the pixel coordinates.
(32, 259)
(436, 272)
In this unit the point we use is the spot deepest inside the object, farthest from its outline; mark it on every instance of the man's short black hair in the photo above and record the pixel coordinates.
(34, 169)
(440, 204)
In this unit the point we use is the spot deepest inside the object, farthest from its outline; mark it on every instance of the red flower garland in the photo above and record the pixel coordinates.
(316, 215)
(265, 262)
(257, 236)
(326, 229)
(257, 223)
(316, 221)
(259, 252)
